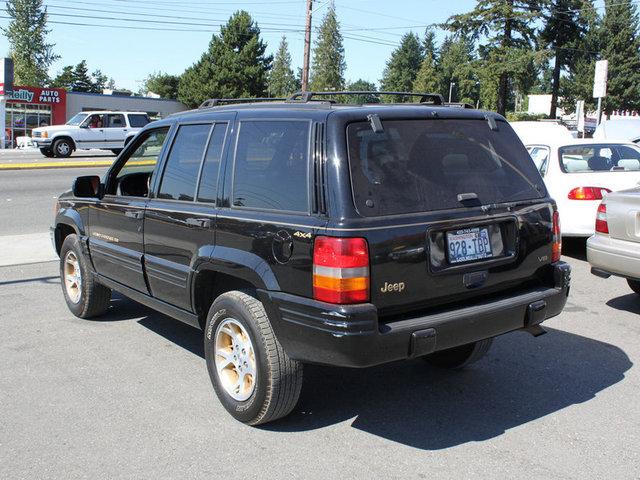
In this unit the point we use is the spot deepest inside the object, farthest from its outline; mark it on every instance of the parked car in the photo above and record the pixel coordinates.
(88, 130)
(614, 249)
(308, 232)
(534, 132)
(619, 129)
(578, 174)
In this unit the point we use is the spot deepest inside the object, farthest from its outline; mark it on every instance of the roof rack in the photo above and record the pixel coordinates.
(212, 102)
(304, 97)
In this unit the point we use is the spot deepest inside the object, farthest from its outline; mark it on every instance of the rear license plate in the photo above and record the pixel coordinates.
(468, 244)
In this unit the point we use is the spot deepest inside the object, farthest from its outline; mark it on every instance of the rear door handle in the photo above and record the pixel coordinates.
(199, 222)
(134, 214)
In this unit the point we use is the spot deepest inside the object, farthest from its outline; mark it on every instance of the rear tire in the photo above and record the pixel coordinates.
(635, 285)
(62, 148)
(47, 152)
(262, 384)
(85, 297)
(459, 357)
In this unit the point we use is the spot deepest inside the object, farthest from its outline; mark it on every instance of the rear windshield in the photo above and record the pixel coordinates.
(423, 165)
(599, 158)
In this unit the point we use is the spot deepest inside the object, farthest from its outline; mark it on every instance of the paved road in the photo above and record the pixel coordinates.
(27, 197)
(34, 157)
(128, 396)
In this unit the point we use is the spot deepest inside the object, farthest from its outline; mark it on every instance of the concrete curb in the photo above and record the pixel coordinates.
(69, 164)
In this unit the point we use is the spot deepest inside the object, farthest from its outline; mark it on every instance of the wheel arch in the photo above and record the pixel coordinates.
(68, 222)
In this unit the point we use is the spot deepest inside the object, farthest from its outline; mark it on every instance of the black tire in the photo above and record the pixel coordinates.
(47, 152)
(62, 148)
(93, 298)
(116, 151)
(278, 379)
(635, 285)
(461, 356)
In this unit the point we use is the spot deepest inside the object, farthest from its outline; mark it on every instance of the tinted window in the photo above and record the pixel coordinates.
(134, 177)
(181, 171)
(115, 121)
(209, 178)
(138, 120)
(271, 166)
(599, 158)
(423, 165)
(540, 156)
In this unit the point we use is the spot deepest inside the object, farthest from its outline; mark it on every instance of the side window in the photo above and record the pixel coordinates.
(209, 178)
(271, 165)
(540, 156)
(137, 120)
(133, 178)
(115, 121)
(181, 172)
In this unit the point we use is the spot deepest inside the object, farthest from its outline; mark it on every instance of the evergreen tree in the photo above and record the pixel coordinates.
(578, 84)
(162, 84)
(234, 65)
(328, 66)
(64, 79)
(506, 53)
(362, 86)
(27, 32)
(621, 47)
(427, 77)
(99, 81)
(457, 65)
(82, 81)
(561, 30)
(282, 81)
(402, 67)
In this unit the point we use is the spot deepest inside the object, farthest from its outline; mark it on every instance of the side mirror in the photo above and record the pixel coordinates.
(87, 187)
(84, 125)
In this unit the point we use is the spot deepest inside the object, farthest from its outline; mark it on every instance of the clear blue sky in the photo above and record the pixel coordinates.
(129, 55)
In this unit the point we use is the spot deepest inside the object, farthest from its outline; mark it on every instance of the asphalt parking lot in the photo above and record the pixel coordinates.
(128, 396)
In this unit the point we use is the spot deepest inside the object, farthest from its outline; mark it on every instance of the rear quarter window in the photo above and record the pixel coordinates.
(138, 120)
(423, 165)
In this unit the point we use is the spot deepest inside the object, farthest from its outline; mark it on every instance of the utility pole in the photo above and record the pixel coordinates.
(307, 48)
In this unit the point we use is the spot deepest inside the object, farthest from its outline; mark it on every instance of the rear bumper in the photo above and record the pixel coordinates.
(352, 335)
(611, 256)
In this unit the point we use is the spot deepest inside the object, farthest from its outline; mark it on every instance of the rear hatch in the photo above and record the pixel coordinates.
(623, 215)
(456, 211)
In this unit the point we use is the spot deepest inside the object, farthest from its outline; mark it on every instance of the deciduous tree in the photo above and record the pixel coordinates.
(27, 32)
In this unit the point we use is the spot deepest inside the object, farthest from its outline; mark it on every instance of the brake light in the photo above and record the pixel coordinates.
(601, 220)
(588, 193)
(556, 249)
(341, 270)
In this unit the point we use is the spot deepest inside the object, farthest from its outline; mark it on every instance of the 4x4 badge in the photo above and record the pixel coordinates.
(302, 234)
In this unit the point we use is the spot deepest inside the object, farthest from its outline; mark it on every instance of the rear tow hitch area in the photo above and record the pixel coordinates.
(536, 314)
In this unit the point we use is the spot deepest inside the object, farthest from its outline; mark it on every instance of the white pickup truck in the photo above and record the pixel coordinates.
(87, 130)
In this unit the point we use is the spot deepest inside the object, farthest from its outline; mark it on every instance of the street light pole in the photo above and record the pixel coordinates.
(307, 48)
(451, 85)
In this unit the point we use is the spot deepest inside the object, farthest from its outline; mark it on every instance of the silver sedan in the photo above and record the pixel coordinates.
(615, 247)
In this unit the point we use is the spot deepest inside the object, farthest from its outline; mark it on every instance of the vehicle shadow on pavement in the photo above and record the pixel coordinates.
(628, 303)
(520, 380)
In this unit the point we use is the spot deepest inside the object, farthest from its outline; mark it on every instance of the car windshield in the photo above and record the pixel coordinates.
(424, 165)
(77, 119)
(603, 157)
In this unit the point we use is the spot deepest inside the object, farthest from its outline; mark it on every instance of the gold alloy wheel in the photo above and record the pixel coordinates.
(235, 359)
(72, 277)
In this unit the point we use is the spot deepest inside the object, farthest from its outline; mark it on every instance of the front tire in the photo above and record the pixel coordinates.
(116, 151)
(635, 285)
(62, 148)
(85, 297)
(459, 357)
(47, 152)
(251, 374)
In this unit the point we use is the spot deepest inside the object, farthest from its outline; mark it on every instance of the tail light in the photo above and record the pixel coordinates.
(588, 193)
(341, 270)
(601, 219)
(556, 249)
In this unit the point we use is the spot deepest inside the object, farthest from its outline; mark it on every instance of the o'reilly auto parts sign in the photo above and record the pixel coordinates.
(22, 95)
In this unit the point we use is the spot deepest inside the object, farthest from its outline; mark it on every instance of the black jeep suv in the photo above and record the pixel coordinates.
(305, 231)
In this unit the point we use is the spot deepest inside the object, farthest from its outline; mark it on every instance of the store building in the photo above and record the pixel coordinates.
(27, 108)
